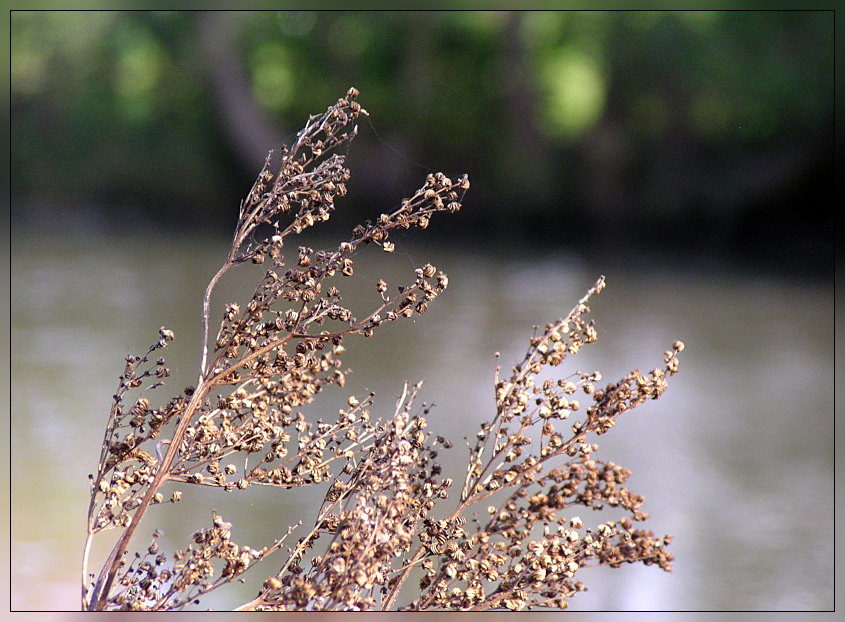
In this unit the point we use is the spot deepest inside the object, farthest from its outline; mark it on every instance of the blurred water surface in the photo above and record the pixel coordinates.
(735, 460)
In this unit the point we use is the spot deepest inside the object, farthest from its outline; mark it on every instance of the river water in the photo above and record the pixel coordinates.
(735, 460)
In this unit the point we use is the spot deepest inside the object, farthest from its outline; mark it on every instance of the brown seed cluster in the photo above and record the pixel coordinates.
(532, 465)
(370, 518)
(125, 467)
(154, 582)
(509, 538)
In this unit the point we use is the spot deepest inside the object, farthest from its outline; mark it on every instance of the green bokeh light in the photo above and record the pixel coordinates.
(273, 80)
(576, 93)
(137, 73)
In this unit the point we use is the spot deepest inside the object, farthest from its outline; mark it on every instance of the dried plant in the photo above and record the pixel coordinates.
(510, 539)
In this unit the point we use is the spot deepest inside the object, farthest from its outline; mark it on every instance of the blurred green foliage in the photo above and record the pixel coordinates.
(643, 127)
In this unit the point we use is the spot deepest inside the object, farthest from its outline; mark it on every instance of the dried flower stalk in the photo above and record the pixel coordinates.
(529, 466)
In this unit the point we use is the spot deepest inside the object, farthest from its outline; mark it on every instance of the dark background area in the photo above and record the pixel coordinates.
(702, 134)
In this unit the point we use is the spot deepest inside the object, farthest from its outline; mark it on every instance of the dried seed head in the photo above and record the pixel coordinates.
(272, 584)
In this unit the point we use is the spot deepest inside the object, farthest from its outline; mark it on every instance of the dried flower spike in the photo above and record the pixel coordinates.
(510, 538)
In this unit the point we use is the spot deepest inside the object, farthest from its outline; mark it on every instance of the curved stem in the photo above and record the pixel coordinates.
(99, 596)
(206, 301)
(85, 555)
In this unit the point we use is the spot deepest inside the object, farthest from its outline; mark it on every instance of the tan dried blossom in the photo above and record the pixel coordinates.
(389, 508)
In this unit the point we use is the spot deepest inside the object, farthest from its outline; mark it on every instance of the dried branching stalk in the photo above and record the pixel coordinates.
(509, 540)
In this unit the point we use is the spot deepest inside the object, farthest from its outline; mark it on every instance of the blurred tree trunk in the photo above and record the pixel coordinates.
(606, 156)
(250, 130)
(523, 157)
